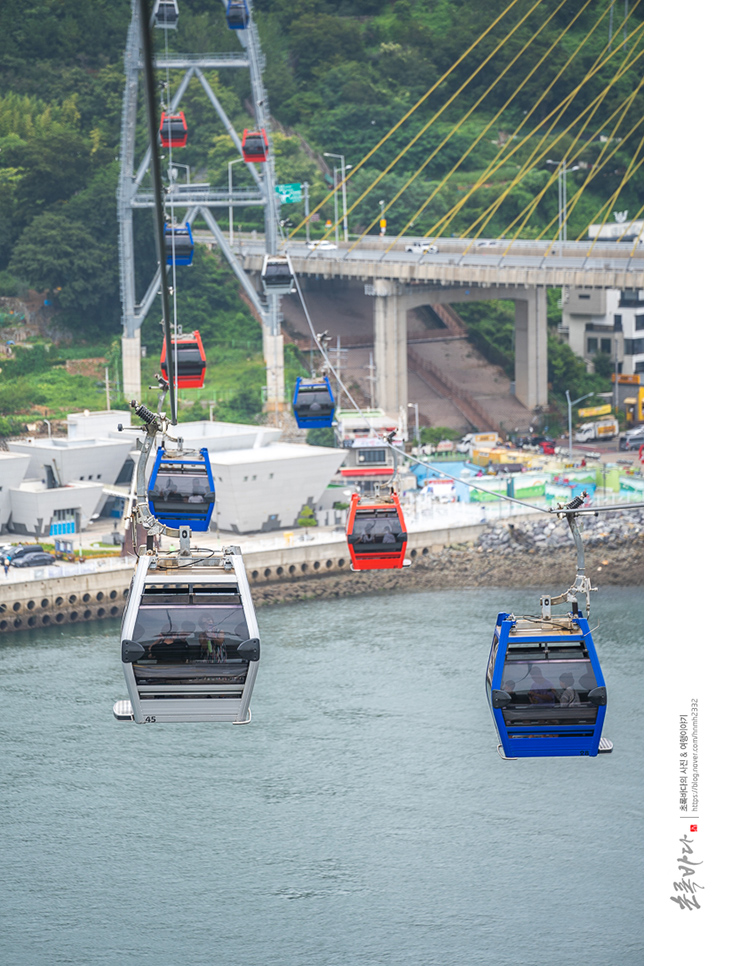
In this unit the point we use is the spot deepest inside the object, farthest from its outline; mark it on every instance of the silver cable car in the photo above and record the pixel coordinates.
(165, 14)
(190, 640)
(277, 275)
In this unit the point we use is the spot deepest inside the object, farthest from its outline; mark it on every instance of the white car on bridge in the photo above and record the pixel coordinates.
(422, 248)
(321, 246)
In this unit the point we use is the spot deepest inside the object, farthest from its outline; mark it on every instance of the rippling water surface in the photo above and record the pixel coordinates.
(363, 817)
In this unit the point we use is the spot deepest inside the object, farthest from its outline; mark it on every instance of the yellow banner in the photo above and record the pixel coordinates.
(596, 411)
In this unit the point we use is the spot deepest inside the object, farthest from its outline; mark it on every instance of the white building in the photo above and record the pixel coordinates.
(13, 467)
(606, 321)
(38, 511)
(50, 485)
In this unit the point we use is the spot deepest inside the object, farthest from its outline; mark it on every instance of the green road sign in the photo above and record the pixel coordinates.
(289, 193)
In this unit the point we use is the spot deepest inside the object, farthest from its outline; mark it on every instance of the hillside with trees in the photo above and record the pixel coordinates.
(341, 77)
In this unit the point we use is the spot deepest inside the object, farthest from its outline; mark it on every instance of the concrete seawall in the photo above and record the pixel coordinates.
(97, 590)
(477, 554)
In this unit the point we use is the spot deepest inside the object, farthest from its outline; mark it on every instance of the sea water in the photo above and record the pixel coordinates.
(363, 817)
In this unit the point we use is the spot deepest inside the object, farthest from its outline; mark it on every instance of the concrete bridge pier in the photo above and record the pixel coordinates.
(391, 347)
(274, 357)
(531, 347)
(391, 337)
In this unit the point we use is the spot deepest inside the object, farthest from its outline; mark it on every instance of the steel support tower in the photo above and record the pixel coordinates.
(196, 200)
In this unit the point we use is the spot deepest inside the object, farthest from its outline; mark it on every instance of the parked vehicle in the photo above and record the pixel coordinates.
(422, 248)
(633, 439)
(23, 549)
(605, 428)
(321, 246)
(41, 559)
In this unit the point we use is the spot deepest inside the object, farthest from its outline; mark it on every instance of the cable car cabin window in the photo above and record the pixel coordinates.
(182, 486)
(189, 362)
(184, 640)
(178, 243)
(371, 456)
(373, 528)
(547, 687)
(313, 397)
(278, 272)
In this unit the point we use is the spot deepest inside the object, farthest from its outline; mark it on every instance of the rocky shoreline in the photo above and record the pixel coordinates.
(527, 552)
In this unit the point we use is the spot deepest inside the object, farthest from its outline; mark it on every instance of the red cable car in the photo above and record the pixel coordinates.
(376, 533)
(254, 145)
(190, 360)
(173, 130)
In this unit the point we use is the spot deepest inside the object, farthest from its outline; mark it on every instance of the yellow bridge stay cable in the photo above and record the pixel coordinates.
(432, 120)
(607, 204)
(493, 167)
(486, 128)
(628, 173)
(411, 110)
(531, 163)
(556, 114)
(529, 209)
(481, 98)
(600, 163)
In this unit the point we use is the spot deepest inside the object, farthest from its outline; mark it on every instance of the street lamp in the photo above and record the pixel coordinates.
(562, 196)
(343, 167)
(172, 171)
(418, 428)
(570, 418)
(230, 204)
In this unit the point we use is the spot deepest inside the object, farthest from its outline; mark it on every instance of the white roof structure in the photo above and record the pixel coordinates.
(81, 458)
(265, 487)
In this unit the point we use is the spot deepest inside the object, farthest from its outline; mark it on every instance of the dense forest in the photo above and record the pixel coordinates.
(451, 112)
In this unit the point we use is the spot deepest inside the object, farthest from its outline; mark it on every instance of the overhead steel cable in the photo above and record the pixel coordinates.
(432, 120)
(408, 113)
(492, 168)
(479, 101)
(159, 207)
(173, 364)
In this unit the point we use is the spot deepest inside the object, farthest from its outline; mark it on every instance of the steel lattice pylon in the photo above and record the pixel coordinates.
(196, 200)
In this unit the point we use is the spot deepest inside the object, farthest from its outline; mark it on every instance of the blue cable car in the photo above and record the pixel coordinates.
(545, 687)
(181, 489)
(179, 244)
(237, 14)
(313, 403)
